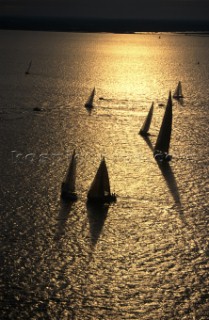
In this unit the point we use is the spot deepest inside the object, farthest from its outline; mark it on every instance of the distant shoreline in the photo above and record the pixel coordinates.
(103, 25)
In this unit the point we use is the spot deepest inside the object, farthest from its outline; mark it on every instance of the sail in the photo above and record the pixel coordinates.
(100, 186)
(146, 125)
(163, 140)
(69, 182)
(178, 92)
(89, 102)
(28, 68)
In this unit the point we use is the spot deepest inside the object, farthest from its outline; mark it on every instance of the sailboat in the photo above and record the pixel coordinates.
(68, 185)
(178, 92)
(146, 125)
(99, 191)
(89, 102)
(163, 140)
(28, 68)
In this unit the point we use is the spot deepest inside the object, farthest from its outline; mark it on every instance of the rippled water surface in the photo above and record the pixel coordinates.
(144, 257)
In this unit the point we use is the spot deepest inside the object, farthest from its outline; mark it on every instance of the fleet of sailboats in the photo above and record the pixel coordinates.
(68, 191)
(178, 92)
(163, 140)
(99, 191)
(146, 125)
(90, 101)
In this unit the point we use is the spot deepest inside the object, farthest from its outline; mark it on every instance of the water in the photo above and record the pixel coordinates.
(145, 257)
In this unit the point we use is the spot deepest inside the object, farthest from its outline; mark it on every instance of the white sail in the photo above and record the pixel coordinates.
(89, 102)
(178, 92)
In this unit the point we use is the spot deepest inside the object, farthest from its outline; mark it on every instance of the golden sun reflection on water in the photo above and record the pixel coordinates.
(143, 257)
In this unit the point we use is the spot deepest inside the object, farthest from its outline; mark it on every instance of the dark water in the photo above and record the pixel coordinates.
(145, 257)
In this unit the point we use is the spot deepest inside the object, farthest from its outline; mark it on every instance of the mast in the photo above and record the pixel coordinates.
(164, 136)
(146, 125)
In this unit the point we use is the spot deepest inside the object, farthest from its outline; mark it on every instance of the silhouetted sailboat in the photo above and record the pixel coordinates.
(28, 68)
(99, 191)
(146, 125)
(68, 186)
(89, 102)
(163, 141)
(178, 92)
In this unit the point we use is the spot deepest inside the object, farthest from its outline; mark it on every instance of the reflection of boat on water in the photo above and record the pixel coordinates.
(62, 218)
(99, 191)
(90, 101)
(178, 92)
(169, 177)
(97, 214)
(146, 125)
(68, 186)
(28, 68)
(163, 141)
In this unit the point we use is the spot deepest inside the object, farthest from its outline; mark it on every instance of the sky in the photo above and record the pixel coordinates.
(137, 9)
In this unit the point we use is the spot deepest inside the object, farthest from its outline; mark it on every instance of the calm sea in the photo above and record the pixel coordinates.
(146, 256)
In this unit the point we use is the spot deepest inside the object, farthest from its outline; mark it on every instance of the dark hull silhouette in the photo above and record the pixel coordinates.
(68, 196)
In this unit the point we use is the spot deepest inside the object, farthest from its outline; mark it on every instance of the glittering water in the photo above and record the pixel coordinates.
(145, 257)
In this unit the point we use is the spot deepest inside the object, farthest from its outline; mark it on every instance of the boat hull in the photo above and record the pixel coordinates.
(178, 97)
(162, 156)
(69, 196)
(144, 133)
(88, 106)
